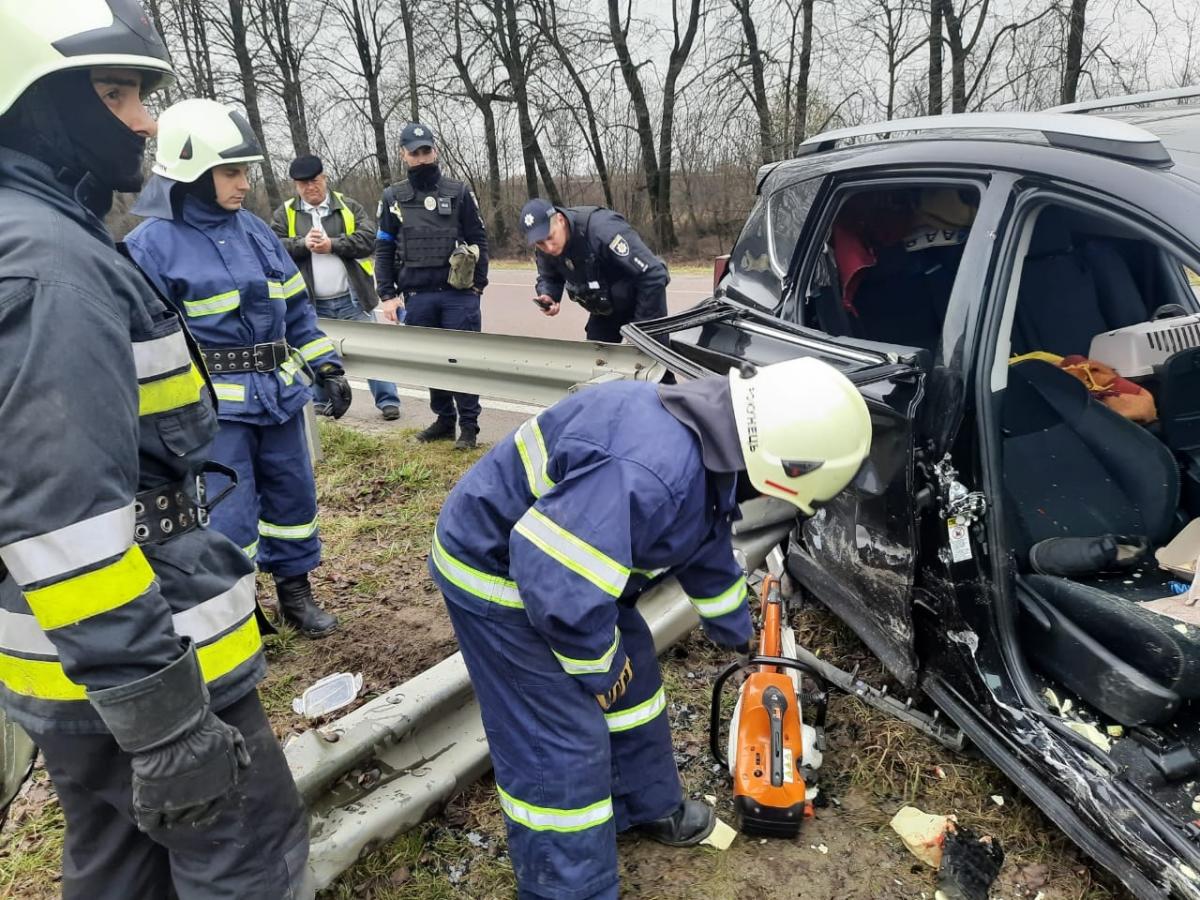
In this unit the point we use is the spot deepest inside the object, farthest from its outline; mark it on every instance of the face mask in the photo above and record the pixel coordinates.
(425, 176)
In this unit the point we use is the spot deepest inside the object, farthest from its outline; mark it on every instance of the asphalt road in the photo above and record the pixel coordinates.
(507, 310)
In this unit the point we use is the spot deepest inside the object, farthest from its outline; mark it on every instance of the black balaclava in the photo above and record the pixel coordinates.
(203, 189)
(425, 176)
(62, 121)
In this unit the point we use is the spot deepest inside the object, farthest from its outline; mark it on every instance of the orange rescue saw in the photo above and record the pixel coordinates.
(772, 753)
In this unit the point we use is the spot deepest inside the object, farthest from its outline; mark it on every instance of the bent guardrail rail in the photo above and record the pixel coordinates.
(396, 761)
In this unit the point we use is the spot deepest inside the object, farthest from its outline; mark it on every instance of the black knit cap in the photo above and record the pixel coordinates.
(305, 167)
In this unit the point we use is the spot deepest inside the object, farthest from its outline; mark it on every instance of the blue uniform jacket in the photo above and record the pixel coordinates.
(236, 286)
(604, 247)
(584, 506)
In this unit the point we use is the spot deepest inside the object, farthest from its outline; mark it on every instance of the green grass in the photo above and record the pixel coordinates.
(31, 845)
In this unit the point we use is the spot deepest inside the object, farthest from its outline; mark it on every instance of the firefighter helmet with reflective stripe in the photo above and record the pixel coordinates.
(49, 36)
(197, 135)
(804, 429)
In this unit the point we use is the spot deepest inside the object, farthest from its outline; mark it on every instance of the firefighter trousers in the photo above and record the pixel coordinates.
(257, 849)
(569, 776)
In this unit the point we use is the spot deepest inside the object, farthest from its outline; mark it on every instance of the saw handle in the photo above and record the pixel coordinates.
(714, 722)
(776, 705)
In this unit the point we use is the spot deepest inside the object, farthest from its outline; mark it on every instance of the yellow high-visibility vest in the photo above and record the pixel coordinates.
(348, 226)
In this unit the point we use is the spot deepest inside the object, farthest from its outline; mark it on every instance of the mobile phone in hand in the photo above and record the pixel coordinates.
(541, 304)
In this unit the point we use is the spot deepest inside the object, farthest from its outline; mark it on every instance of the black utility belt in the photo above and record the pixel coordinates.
(166, 512)
(256, 358)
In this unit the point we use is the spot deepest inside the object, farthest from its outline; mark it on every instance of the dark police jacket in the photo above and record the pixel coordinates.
(418, 229)
(603, 248)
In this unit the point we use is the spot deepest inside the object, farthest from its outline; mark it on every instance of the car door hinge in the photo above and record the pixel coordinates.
(956, 501)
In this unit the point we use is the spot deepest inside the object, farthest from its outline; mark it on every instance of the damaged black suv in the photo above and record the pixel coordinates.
(1015, 296)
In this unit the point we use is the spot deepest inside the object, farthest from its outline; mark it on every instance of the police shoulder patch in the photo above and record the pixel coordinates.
(619, 245)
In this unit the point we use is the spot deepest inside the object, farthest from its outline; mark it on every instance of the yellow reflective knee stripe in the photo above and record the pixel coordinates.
(492, 588)
(287, 532)
(292, 286)
(252, 550)
(170, 393)
(577, 555)
(210, 306)
(76, 546)
(232, 393)
(534, 458)
(319, 347)
(589, 666)
(627, 719)
(75, 599)
(161, 356)
(546, 818)
(725, 602)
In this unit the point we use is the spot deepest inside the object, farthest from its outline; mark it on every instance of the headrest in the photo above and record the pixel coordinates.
(1051, 236)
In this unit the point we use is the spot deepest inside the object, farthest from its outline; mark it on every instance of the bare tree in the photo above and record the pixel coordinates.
(803, 74)
(962, 47)
(935, 57)
(758, 96)
(276, 25)
(410, 49)
(237, 33)
(888, 22)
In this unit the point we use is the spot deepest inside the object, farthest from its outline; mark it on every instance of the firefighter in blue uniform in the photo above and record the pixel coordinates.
(543, 547)
(594, 255)
(431, 259)
(245, 302)
(129, 646)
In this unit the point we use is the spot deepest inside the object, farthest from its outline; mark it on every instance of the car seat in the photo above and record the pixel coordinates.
(1074, 468)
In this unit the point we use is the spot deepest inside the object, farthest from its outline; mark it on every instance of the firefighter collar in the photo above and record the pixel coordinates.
(705, 407)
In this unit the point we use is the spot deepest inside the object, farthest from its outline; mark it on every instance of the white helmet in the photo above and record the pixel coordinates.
(196, 135)
(804, 429)
(46, 36)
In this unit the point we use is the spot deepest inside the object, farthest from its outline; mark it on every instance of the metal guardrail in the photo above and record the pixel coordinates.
(529, 369)
(397, 760)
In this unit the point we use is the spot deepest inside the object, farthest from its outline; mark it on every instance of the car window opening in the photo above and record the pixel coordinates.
(889, 263)
(1100, 445)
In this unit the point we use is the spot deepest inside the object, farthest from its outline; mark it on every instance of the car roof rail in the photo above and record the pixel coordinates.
(1127, 100)
(1090, 134)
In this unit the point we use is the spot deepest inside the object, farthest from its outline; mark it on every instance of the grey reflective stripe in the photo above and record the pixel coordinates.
(573, 552)
(287, 532)
(492, 588)
(548, 818)
(590, 666)
(626, 719)
(56, 553)
(534, 458)
(725, 602)
(203, 623)
(158, 357)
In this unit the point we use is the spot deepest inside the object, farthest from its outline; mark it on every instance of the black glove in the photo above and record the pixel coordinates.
(332, 378)
(185, 760)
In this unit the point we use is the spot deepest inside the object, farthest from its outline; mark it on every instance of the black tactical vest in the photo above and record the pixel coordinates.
(429, 223)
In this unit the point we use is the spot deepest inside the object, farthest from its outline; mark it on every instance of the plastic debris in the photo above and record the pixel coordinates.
(328, 695)
(710, 799)
(1115, 731)
(1091, 733)
(821, 848)
(923, 834)
(1196, 804)
(939, 771)
(722, 836)
(969, 865)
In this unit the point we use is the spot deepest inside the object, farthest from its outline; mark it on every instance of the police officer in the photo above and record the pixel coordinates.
(601, 262)
(332, 239)
(431, 258)
(129, 648)
(247, 305)
(541, 551)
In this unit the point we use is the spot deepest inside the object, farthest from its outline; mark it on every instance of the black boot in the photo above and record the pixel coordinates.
(691, 823)
(466, 439)
(298, 609)
(441, 430)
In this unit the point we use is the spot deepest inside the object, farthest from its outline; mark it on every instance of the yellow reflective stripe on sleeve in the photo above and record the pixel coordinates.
(293, 286)
(225, 654)
(725, 602)
(367, 265)
(38, 678)
(233, 393)
(532, 449)
(252, 550)
(287, 532)
(547, 818)
(210, 306)
(577, 555)
(350, 225)
(627, 719)
(170, 393)
(589, 666)
(319, 347)
(76, 546)
(92, 593)
(492, 588)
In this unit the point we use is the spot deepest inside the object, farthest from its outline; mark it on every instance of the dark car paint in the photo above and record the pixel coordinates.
(953, 633)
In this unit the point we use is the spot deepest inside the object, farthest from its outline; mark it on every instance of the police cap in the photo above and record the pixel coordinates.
(415, 135)
(304, 168)
(536, 216)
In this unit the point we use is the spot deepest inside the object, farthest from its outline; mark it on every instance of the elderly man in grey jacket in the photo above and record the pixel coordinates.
(332, 239)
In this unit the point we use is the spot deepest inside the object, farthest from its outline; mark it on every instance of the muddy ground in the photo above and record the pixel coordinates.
(380, 494)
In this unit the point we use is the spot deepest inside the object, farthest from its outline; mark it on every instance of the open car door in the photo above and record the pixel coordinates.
(858, 553)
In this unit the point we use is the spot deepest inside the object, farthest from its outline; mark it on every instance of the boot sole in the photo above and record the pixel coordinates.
(317, 635)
